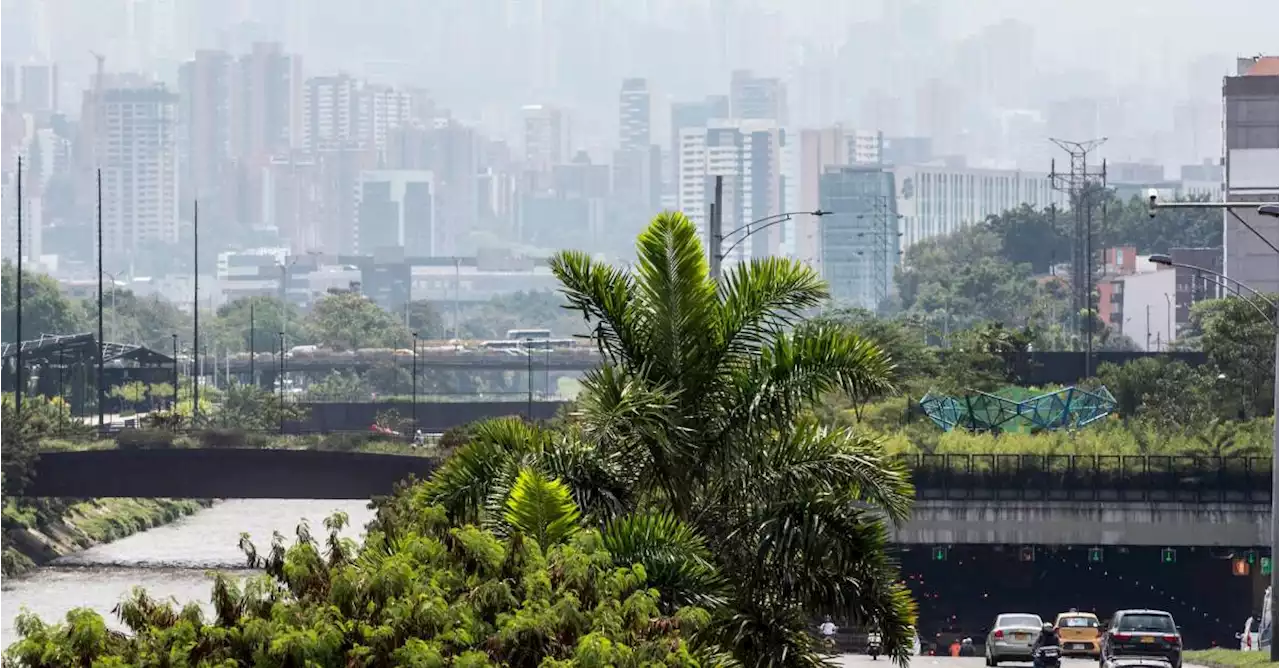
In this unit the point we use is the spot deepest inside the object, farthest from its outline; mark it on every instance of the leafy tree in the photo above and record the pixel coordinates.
(698, 410)
(1241, 345)
(149, 321)
(45, 310)
(903, 340)
(229, 328)
(133, 393)
(340, 386)
(425, 319)
(252, 408)
(536, 309)
(347, 321)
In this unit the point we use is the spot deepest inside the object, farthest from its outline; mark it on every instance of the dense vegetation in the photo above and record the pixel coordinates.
(692, 510)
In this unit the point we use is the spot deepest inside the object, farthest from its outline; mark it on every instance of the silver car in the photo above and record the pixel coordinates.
(1012, 637)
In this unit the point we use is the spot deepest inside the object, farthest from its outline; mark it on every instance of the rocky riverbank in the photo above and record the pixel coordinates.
(38, 531)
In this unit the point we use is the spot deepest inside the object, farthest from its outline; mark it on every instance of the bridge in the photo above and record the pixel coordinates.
(961, 499)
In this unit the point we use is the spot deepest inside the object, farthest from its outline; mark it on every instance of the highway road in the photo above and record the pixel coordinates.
(864, 661)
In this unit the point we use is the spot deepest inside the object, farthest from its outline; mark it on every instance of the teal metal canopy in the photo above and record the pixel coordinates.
(1017, 410)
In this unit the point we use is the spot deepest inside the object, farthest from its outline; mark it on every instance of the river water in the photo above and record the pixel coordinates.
(172, 560)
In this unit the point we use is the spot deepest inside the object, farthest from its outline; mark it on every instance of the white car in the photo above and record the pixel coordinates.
(1012, 637)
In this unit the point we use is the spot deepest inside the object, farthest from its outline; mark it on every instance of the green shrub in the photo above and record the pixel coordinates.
(136, 439)
(222, 438)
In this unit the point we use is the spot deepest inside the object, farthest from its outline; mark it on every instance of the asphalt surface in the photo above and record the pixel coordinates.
(864, 661)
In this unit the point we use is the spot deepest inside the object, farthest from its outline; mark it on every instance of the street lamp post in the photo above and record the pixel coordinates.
(1274, 320)
(528, 353)
(280, 384)
(414, 409)
(718, 254)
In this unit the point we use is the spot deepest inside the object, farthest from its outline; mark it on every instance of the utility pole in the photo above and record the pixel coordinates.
(1081, 185)
(715, 228)
(102, 390)
(528, 353)
(19, 389)
(195, 312)
(253, 377)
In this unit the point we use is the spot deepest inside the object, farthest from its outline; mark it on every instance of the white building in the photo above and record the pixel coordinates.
(1148, 304)
(330, 111)
(634, 127)
(938, 200)
(748, 154)
(1252, 145)
(138, 149)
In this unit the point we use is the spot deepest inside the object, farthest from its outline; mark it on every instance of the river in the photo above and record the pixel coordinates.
(172, 560)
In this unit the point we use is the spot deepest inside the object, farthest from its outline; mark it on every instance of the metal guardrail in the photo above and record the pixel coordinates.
(1152, 478)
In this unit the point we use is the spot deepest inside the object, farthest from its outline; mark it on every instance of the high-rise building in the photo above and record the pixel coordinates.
(396, 209)
(266, 104)
(204, 143)
(546, 137)
(1252, 143)
(752, 97)
(748, 155)
(935, 199)
(633, 116)
(859, 242)
(331, 112)
(137, 144)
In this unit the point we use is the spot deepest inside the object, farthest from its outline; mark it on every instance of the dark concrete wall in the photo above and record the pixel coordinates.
(223, 473)
(431, 416)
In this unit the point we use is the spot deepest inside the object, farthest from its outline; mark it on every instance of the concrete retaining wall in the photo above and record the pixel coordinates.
(1088, 523)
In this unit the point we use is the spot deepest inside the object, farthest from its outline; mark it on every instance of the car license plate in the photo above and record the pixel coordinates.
(1148, 639)
(1019, 636)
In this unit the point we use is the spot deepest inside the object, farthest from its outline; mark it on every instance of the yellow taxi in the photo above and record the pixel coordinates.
(1079, 633)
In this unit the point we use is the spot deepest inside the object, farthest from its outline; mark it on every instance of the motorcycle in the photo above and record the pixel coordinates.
(1049, 656)
(873, 645)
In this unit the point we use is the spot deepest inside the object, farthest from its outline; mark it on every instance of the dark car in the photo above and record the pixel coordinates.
(1141, 633)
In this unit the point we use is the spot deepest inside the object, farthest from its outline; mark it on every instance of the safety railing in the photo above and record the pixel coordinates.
(1152, 478)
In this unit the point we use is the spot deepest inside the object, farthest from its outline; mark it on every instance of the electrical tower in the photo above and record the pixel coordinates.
(882, 247)
(1084, 190)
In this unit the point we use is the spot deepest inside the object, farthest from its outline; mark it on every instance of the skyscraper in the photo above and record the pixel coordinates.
(859, 242)
(752, 97)
(633, 116)
(137, 145)
(546, 137)
(748, 155)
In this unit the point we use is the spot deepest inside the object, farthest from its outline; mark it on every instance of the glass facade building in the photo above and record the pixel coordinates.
(860, 241)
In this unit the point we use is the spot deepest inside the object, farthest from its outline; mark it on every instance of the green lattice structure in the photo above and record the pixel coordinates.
(1019, 410)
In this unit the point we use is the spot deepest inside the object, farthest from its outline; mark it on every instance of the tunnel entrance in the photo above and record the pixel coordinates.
(960, 589)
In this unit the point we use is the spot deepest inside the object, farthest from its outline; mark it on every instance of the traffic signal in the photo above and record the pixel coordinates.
(1239, 567)
(1027, 553)
(1266, 565)
(1095, 555)
(1251, 556)
(939, 554)
(1168, 555)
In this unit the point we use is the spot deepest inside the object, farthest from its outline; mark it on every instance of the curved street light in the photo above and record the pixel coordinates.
(1274, 320)
(751, 228)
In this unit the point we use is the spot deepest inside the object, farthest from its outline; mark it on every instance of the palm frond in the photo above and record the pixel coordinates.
(678, 298)
(466, 480)
(760, 299)
(798, 369)
(541, 508)
(675, 558)
(606, 298)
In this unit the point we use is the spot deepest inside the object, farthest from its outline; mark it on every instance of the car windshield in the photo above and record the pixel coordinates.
(1007, 621)
(1079, 622)
(1141, 622)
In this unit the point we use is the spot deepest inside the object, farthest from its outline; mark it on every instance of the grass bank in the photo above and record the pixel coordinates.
(1227, 658)
(37, 531)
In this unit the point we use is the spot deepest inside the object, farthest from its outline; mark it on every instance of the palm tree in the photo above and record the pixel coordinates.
(701, 411)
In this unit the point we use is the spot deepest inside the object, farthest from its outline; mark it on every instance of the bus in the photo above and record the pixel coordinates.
(522, 334)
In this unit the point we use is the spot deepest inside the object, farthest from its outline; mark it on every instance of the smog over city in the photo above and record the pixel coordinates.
(639, 332)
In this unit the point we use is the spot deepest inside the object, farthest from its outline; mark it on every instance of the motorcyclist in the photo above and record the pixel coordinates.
(828, 630)
(1047, 637)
